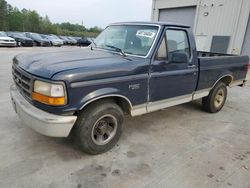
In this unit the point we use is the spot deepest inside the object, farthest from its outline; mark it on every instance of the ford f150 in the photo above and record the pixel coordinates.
(133, 68)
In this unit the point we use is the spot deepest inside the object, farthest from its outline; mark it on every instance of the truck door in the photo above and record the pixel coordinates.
(173, 72)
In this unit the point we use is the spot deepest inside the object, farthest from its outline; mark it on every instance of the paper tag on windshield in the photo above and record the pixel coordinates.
(145, 33)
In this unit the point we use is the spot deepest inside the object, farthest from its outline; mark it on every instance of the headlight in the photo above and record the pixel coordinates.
(51, 94)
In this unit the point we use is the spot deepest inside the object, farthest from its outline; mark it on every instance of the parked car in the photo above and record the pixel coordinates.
(71, 40)
(66, 41)
(132, 68)
(21, 39)
(57, 37)
(82, 41)
(54, 41)
(6, 41)
(38, 40)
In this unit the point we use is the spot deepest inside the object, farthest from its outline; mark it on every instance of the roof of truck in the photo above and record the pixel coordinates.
(152, 23)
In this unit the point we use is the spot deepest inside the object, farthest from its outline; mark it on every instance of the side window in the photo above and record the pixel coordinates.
(162, 51)
(177, 41)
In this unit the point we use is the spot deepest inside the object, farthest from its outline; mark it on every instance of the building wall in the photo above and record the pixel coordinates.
(246, 44)
(213, 17)
(183, 15)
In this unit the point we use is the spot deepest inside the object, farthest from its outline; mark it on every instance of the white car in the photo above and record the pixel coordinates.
(6, 41)
(54, 40)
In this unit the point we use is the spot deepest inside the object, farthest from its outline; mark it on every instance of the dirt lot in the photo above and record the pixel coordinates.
(178, 147)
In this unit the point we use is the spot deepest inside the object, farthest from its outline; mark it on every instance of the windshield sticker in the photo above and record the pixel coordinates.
(145, 33)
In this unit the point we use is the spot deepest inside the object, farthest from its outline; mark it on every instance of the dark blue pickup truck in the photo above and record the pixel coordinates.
(131, 68)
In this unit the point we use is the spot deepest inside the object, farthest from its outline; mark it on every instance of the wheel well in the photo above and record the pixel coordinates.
(124, 104)
(227, 80)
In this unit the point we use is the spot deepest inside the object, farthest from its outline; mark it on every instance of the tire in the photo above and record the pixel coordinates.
(216, 99)
(99, 127)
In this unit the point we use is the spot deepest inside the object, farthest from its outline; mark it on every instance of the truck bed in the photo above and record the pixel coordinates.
(214, 66)
(211, 54)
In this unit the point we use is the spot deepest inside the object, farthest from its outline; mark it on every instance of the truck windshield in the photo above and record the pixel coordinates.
(131, 39)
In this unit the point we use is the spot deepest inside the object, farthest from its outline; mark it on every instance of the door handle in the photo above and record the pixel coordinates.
(191, 66)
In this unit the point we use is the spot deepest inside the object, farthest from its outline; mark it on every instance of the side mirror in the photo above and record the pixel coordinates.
(179, 57)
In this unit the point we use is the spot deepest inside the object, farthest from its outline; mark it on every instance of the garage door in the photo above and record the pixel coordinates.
(184, 15)
(246, 44)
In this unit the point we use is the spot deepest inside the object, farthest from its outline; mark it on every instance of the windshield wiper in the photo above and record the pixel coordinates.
(117, 49)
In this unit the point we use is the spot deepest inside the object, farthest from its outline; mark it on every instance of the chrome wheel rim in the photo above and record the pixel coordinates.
(219, 98)
(104, 129)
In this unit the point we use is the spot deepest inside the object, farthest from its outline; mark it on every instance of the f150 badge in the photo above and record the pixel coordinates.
(134, 86)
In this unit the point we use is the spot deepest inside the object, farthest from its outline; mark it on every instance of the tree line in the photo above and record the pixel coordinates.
(13, 19)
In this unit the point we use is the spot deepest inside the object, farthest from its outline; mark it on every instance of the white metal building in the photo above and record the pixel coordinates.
(218, 25)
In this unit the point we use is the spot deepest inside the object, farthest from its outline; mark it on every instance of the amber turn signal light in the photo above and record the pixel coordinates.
(53, 101)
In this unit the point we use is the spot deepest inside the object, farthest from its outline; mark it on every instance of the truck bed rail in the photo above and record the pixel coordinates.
(211, 54)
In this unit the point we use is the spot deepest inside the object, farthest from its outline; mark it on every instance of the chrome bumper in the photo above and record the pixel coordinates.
(8, 44)
(44, 123)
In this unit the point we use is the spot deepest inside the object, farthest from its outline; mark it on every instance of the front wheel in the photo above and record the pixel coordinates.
(216, 99)
(99, 127)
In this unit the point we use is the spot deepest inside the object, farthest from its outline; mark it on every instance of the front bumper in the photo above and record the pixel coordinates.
(45, 44)
(44, 123)
(57, 43)
(8, 44)
(27, 44)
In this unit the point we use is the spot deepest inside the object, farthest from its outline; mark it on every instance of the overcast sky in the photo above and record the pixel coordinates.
(91, 12)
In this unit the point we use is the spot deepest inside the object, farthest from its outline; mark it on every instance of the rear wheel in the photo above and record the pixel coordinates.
(216, 99)
(98, 128)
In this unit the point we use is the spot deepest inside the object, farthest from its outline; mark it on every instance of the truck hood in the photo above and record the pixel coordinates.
(46, 65)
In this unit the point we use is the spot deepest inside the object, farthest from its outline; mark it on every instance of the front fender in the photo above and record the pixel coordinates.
(102, 93)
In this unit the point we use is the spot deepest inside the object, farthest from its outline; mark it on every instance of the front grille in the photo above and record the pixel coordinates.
(23, 81)
(29, 41)
(46, 43)
(8, 40)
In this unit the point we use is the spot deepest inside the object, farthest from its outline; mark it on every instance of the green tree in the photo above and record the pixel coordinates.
(16, 20)
(13, 19)
(3, 15)
(32, 21)
(95, 29)
(45, 25)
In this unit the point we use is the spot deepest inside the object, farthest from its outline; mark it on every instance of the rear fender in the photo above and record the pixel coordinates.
(224, 77)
